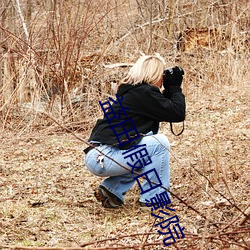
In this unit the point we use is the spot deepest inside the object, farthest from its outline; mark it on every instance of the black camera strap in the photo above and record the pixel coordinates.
(172, 130)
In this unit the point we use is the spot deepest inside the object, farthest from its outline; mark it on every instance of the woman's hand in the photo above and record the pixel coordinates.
(173, 77)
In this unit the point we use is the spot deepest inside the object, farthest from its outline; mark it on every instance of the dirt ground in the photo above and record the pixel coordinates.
(46, 192)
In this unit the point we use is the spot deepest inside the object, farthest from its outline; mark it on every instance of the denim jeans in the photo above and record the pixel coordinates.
(120, 180)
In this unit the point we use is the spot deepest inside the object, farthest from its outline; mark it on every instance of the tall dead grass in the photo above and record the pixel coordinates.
(52, 54)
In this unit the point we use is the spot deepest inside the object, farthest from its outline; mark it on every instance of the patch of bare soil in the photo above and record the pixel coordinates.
(46, 192)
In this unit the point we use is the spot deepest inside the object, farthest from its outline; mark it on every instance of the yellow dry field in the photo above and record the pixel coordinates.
(62, 57)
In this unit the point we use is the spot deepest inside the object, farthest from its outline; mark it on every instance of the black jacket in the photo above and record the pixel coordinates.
(147, 107)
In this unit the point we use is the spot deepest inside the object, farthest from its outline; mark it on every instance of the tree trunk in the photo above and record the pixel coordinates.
(203, 20)
(171, 20)
(28, 87)
(150, 10)
(6, 67)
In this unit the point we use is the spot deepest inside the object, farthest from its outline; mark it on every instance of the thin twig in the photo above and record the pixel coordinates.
(208, 182)
(234, 220)
(116, 238)
(216, 190)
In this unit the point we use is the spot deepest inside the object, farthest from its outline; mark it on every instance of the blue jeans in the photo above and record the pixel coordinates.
(120, 180)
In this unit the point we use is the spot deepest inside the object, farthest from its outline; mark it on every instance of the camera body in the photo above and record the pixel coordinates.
(169, 70)
(172, 69)
(173, 76)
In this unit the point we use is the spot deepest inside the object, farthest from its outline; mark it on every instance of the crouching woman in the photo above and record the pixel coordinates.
(128, 132)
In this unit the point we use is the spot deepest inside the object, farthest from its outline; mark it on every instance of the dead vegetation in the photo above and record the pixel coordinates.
(56, 57)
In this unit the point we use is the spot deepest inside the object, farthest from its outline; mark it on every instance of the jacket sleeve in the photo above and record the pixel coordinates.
(169, 107)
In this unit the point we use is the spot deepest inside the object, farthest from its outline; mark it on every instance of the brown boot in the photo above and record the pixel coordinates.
(107, 199)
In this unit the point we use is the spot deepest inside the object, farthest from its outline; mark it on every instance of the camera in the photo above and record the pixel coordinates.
(171, 70)
(173, 76)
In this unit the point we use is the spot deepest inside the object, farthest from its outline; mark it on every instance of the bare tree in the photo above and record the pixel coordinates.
(27, 86)
(150, 11)
(171, 19)
(6, 62)
(203, 22)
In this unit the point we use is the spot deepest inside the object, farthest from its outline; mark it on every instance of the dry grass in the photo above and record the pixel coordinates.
(46, 193)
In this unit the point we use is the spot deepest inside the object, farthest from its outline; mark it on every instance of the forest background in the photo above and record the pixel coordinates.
(59, 58)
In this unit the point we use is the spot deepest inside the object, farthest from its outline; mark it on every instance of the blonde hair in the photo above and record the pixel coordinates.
(148, 69)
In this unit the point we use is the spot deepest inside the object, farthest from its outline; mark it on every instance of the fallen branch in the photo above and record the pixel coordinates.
(115, 65)
(214, 237)
(116, 238)
(246, 217)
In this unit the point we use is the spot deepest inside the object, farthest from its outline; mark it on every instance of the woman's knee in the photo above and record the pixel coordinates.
(162, 139)
(159, 141)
